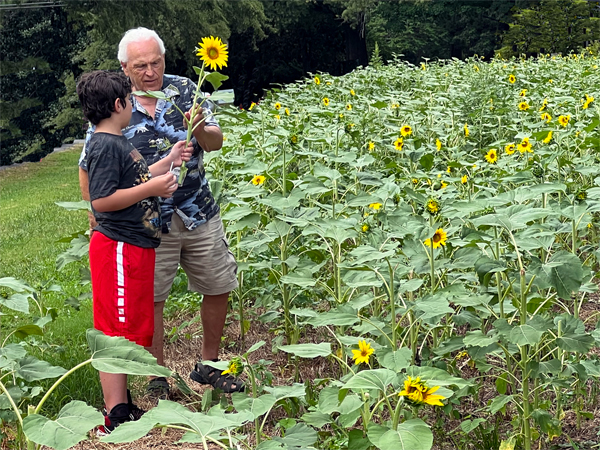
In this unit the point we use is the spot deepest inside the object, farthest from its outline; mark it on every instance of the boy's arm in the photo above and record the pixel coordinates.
(84, 187)
(178, 153)
(160, 186)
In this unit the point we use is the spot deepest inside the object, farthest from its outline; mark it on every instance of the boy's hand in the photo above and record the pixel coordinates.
(163, 185)
(180, 152)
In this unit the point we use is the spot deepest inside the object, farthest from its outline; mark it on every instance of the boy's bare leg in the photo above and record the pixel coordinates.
(114, 389)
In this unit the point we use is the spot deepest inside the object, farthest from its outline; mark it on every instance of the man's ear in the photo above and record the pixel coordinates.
(124, 67)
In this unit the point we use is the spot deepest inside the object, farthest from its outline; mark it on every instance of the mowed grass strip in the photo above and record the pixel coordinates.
(30, 226)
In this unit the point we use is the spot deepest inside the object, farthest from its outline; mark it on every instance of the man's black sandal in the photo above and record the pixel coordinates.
(204, 374)
(159, 388)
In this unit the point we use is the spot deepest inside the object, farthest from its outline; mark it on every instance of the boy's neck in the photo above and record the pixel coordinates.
(109, 125)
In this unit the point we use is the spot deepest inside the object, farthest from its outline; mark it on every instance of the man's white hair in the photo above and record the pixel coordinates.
(137, 35)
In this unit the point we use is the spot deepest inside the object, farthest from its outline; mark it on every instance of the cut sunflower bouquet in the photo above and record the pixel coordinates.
(213, 53)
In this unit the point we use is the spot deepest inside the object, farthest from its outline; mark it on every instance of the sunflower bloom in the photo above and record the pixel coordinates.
(464, 179)
(546, 117)
(349, 107)
(523, 93)
(235, 368)
(371, 146)
(352, 93)
(417, 392)
(433, 207)
(492, 156)
(317, 80)
(564, 120)
(523, 106)
(548, 138)
(213, 52)
(258, 180)
(466, 128)
(326, 101)
(544, 104)
(510, 148)
(277, 106)
(365, 228)
(588, 101)
(525, 146)
(512, 79)
(406, 130)
(398, 144)
(439, 238)
(363, 353)
(438, 144)
(287, 111)
(375, 206)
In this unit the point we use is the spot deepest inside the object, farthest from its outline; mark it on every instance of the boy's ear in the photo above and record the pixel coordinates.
(118, 106)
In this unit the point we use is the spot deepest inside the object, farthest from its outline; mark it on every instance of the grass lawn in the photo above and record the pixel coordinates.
(30, 226)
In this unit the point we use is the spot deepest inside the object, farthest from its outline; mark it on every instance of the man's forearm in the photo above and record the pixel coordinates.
(209, 137)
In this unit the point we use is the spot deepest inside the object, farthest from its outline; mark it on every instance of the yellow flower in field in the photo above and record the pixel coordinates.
(406, 130)
(546, 117)
(326, 101)
(212, 52)
(476, 68)
(523, 106)
(349, 107)
(363, 353)
(287, 111)
(438, 144)
(352, 93)
(277, 106)
(449, 169)
(294, 139)
(523, 93)
(258, 180)
(492, 156)
(398, 144)
(439, 238)
(395, 105)
(375, 206)
(277, 117)
(564, 120)
(317, 80)
(423, 66)
(512, 79)
(464, 179)
(510, 148)
(548, 138)
(432, 206)
(365, 228)
(328, 83)
(551, 80)
(444, 184)
(418, 393)
(588, 101)
(525, 146)
(544, 104)
(341, 116)
(371, 146)
(466, 128)
(235, 368)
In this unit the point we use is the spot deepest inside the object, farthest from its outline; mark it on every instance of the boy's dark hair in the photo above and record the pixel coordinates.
(98, 91)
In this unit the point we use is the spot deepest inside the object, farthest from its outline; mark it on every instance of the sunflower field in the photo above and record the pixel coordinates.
(432, 231)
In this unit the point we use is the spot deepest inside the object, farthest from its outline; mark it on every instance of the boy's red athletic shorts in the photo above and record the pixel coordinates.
(122, 289)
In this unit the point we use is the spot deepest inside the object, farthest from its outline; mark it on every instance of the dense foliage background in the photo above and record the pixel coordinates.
(45, 46)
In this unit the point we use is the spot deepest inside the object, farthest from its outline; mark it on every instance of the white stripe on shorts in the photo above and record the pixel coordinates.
(120, 282)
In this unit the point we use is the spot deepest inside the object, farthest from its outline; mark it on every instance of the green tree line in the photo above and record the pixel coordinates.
(46, 45)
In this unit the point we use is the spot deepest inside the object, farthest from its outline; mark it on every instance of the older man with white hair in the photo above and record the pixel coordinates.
(193, 234)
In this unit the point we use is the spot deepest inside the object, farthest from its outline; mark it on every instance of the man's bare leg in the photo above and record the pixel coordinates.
(213, 313)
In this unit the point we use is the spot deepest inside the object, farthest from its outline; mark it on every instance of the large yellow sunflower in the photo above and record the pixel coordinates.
(406, 130)
(525, 146)
(564, 120)
(439, 238)
(417, 392)
(363, 353)
(213, 52)
(548, 138)
(398, 144)
(492, 156)
(512, 79)
(258, 180)
(523, 106)
(510, 148)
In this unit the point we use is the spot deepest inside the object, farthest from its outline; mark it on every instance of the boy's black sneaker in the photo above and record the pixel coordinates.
(118, 415)
(123, 412)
